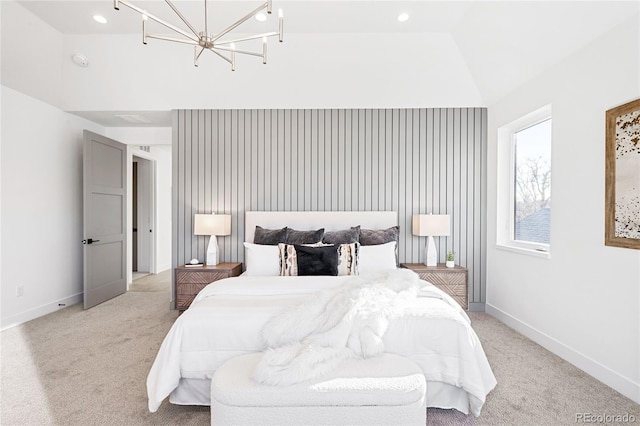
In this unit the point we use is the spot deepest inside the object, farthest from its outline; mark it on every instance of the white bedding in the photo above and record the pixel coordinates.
(226, 319)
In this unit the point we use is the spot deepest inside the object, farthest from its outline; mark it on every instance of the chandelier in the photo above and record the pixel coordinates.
(201, 40)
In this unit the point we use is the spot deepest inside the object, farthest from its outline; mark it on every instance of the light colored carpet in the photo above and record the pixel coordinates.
(152, 282)
(77, 367)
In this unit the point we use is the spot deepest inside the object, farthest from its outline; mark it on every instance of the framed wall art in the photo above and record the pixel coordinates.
(622, 200)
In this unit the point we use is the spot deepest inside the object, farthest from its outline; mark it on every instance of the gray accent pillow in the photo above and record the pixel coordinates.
(304, 237)
(346, 236)
(271, 237)
(374, 237)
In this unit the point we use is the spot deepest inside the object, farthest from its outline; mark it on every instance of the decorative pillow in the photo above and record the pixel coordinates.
(307, 260)
(346, 236)
(372, 237)
(376, 258)
(261, 260)
(304, 237)
(348, 259)
(321, 260)
(288, 260)
(271, 237)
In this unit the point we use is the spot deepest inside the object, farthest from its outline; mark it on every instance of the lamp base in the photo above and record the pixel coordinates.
(213, 255)
(431, 255)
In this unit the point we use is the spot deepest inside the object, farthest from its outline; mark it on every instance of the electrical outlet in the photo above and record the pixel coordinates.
(20, 291)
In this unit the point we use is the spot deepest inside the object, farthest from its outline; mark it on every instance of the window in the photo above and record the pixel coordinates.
(524, 161)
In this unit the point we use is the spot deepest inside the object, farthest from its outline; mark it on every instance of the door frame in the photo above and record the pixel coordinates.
(146, 211)
(136, 152)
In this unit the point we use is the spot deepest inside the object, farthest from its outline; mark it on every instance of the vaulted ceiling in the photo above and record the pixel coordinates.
(487, 48)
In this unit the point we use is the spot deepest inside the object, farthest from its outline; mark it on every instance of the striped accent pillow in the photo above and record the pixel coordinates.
(348, 259)
(288, 260)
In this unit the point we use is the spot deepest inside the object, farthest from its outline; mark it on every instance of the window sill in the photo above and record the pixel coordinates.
(526, 251)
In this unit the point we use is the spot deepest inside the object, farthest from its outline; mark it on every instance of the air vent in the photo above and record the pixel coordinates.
(134, 118)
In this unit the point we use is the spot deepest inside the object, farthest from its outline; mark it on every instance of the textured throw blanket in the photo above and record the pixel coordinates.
(313, 338)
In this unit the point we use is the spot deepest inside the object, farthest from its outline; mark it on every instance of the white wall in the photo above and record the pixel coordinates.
(162, 155)
(41, 156)
(584, 302)
(32, 51)
(41, 206)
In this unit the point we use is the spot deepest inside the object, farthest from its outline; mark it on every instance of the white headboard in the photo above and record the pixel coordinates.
(306, 221)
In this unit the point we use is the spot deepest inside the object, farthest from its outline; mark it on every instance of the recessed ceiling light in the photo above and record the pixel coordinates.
(403, 17)
(100, 18)
(261, 17)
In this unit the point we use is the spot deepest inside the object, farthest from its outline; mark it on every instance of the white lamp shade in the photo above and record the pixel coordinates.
(431, 225)
(212, 224)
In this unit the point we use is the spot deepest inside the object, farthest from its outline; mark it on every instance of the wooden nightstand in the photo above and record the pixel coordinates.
(452, 281)
(190, 280)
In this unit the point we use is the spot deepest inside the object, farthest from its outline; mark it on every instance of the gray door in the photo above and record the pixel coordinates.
(105, 203)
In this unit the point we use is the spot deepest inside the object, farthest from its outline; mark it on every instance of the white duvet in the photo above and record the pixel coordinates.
(227, 318)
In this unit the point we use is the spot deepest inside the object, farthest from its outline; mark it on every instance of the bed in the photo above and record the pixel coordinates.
(228, 319)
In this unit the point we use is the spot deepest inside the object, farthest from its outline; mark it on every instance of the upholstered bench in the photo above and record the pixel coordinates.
(385, 390)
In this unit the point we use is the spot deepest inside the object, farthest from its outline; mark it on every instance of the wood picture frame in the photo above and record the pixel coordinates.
(622, 176)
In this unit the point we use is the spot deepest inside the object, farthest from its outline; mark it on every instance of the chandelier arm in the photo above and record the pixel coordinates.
(219, 54)
(196, 55)
(244, 52)
(158, 20)
(200, 53)
(177, 40)
(246, 38)
(177, 12)
(206, 27)
(240, 21)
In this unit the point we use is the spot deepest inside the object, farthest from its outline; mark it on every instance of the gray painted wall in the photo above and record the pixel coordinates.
(406, 160)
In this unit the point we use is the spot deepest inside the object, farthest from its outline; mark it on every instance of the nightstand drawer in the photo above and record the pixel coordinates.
(189, 281)
(187, 276)
(452, 281)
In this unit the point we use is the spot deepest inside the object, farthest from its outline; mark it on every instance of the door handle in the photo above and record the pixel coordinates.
(89, 241)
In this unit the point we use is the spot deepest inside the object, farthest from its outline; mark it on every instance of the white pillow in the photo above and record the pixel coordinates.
(381, 257)
(261, 260)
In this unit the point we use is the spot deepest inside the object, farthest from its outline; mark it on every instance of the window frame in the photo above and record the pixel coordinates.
(507, 186)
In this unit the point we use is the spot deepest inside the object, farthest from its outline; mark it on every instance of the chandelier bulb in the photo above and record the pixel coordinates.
(144, 31)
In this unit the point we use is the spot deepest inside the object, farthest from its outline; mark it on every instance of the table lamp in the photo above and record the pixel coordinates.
(431, 225)
(213, 225)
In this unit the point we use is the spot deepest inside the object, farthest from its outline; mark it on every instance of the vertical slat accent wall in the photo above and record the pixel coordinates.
(406, 160)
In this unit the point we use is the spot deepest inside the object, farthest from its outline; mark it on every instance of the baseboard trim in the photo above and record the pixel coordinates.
(601, 372)
(42, 310)
(476, 306)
